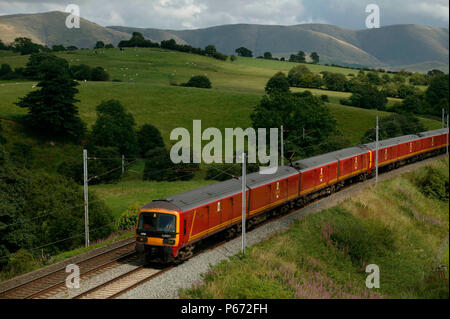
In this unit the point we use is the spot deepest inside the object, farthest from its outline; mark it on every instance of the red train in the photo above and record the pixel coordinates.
(169, 229)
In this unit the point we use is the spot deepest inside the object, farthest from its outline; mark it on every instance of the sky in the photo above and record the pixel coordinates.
(193, 14)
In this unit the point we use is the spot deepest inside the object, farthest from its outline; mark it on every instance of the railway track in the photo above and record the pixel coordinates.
(48, 284)
(123, 283)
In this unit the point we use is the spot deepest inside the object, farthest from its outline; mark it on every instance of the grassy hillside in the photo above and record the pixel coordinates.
(390, 46)
(393, 225)
(145, 91)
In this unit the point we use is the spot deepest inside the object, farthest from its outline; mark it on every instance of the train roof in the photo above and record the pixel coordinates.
(437, 132)
(392, 141)
(200, 196)
(331, 157)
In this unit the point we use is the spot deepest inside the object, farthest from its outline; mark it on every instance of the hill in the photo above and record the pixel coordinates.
(397, 225)
(413, 47)
(389, 46)
(50, 29)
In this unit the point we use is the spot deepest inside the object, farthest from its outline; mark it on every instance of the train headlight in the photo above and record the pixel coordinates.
(141, 239)
(167, 241)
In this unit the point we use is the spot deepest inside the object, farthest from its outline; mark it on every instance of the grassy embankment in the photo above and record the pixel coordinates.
(323, 255)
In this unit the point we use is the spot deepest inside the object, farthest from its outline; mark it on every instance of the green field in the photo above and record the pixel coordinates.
(324, 255)
(145, 91)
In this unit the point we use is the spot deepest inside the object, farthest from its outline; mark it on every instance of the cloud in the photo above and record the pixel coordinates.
(189, 14)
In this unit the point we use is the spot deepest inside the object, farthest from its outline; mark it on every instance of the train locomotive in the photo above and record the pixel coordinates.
(170, 229)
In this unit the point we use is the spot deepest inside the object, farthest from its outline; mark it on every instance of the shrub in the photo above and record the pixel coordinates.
(22, 154)
(20, 262)
(277, 84)
(295, 74)
(324, 98)
(99, 74)
(128, 218)
(73, 168)
(158, 166)
(80, 72)
(199, 81)
(434, 183)
(149, 138)
(115, 127)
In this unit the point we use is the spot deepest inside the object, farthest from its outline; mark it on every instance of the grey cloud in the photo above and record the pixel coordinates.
(182, 14)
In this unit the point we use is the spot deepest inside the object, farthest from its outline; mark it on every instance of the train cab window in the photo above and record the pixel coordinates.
(157, 222)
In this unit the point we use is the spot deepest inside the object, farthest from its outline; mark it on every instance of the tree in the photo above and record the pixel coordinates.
(435, 72)
(404, 90)
(295, 112)
(393, 126)
(335, 81)
(374, 78)
(99, 45)
(436, 94)
(108, 158)
(43, 208)
(26, 46)
(38, 62)
(51, 109)
(58, 48)
(277, 83)
(3, 46)
(299, 57)
(137, 40)
(115, 127)
(210, 50)
(80, 72)
(268, 56)
(310, 80)
(109, 46)
(295, 74)
(244, 52)
(5, 71)
(99, 74)
(413, 103)
(368, 96)
(233, 58)
(314, 57)
(149, 138)
(199, 81)
(159, 166)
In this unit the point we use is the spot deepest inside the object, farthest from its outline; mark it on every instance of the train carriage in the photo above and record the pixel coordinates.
(433, 141)
(168, 229)
(202, 212)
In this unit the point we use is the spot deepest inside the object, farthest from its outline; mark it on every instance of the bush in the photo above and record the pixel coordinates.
(433, 183)
(277, 84)
(22, 154)
(99, 74)
(128, 218)
(81, 72)
(361, 239)
(199, 81)
(73, 168)
(115, 127)
(149, 138)
(159, 166)
(324, 98)
(20, 262)
(295, 74)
